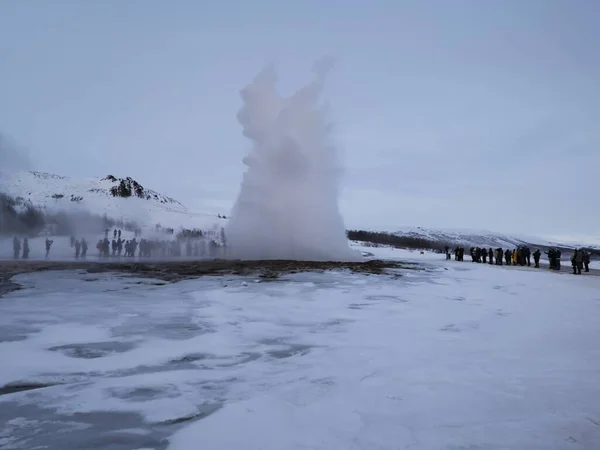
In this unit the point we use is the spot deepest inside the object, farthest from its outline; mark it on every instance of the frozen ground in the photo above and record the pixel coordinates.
(456, 356)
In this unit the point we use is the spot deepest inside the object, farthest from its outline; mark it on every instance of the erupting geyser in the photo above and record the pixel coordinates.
(287, 207)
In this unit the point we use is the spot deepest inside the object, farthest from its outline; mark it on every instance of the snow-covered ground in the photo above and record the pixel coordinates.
(451, 356)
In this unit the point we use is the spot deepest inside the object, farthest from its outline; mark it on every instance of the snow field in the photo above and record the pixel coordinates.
(455, 356)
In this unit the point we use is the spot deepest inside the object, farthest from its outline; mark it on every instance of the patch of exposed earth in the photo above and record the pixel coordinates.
(174, 270)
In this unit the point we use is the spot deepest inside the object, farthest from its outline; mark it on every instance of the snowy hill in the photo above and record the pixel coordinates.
(118, 198)
(473, 238)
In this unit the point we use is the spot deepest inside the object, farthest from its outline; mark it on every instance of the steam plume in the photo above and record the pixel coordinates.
(287, 207)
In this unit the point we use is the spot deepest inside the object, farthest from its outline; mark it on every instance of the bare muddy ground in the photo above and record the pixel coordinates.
(175, 270)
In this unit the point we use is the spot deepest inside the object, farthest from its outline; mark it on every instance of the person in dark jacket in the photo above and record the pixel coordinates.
(536, 258)
(48, 245)
(16, 247)
(508, 257)
(499, 256)
(84, 247)
(491, 255)
(577, 261)
(528, 256)
(25, 248)
(586, 260)
(551, 258)
(77, 249)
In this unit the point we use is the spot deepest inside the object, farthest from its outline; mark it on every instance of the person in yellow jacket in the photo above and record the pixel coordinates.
(514, 257)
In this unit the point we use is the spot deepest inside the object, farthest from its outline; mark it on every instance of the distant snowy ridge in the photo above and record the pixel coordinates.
(118, 198)
(475, 238)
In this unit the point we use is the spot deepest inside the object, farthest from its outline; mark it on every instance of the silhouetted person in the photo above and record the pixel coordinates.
(115, 233)
(77, 249)
(536, 258)
(508, 256)
(586, 260)
(551, 258)
(25, 248)
(84, 247)
(48, 245)
(491, 255)
(106, 247)
(72, 240)
(16, 247)
(558, 254)
(119, 234)
(577, 262)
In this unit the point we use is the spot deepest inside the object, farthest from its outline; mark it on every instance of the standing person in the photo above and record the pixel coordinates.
(16, 247)
(25, 248)
(536, 258)
(586, 260)
(577, 261)
(115, 234)
(507, 256)
(557, 253)
(84, 248)
(491, 255)
(77, 249)
(48, 245)
(551, 258)
(106, 247)
(119, 234)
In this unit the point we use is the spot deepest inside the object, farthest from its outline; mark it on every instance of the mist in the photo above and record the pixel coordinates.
(12, 156)
(287, 207)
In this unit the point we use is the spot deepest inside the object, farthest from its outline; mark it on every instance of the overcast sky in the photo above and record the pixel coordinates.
(477, 114)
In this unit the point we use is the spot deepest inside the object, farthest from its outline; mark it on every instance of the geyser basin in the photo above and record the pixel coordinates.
(287, 207)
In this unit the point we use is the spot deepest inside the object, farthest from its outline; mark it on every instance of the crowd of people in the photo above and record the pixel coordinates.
(191, 243)
(18, 247)
(521, 256)
(199, 246)
(212, 244)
